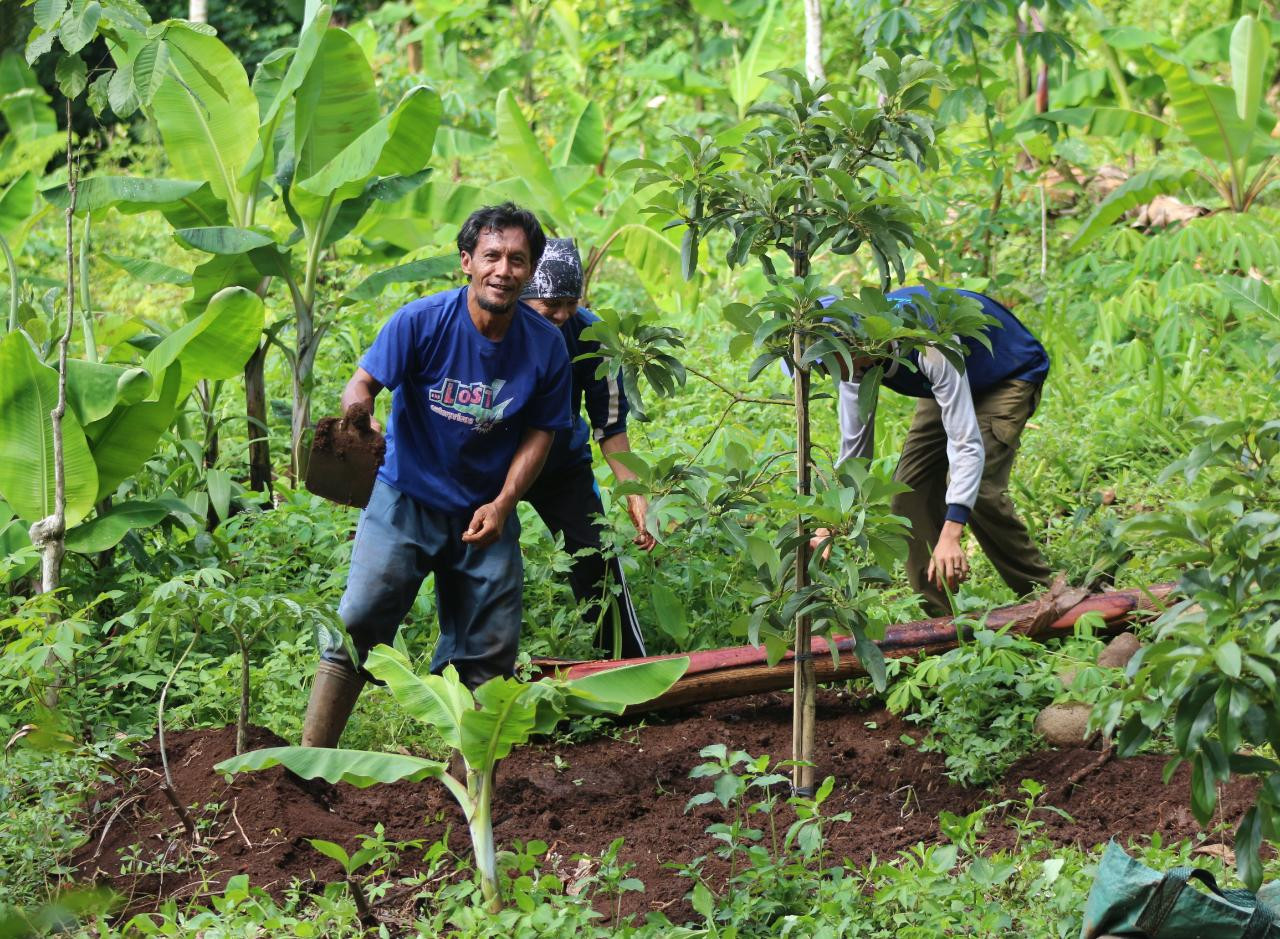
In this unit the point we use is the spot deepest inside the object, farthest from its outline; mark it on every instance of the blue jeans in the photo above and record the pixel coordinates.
(478, 590)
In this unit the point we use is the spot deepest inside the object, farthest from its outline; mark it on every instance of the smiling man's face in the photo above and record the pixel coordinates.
(499, 269)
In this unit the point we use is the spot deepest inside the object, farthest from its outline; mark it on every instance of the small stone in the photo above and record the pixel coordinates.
(1108, 497)
(1119, 651)
(1064, 725)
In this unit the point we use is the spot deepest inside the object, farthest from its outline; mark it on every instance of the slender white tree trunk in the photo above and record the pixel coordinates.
(198, 11)
(813, 41)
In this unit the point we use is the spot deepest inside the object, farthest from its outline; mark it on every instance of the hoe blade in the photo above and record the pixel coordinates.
(345, 456)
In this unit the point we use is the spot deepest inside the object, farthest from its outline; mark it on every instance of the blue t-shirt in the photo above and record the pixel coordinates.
(461, 403)
(605, 400)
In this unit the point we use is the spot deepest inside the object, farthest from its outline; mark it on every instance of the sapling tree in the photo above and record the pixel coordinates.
(815, 175)
(482, 726)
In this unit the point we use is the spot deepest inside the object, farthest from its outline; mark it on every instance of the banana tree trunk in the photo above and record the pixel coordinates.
(255, 405)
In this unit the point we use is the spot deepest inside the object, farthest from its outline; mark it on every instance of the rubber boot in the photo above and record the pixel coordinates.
(333, 696)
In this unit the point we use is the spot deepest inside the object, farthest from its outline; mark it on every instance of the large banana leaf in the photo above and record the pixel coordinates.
(126, 438)
(583, 144)
(1132, 193)
(105, 531)
(439, 700)
(507, 716)
(17, 202)
(223, 239)
(127, 194)
(217, 343)
(28, 393)
(632, 684)
(275, 97)
(206, 112)
(1109, 122)
(1207, 114)
(526, 159)
(417, 272)
(93, 388)
(336, 103)
(23, 102)
(745, 82)
(360, 768)
(398, 145)
(1250, 43)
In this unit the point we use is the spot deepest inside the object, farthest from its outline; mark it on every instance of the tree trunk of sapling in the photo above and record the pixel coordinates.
(804, 701)
(49, 534)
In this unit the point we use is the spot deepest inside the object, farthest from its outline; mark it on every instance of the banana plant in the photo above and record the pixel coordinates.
(308, 138)
(116, 415)
(483, 727)
(1228, 125)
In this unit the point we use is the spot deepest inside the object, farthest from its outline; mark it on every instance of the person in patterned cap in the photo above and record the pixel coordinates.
(565, 494)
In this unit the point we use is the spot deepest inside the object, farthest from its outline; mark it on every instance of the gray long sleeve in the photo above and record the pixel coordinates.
(965, 453)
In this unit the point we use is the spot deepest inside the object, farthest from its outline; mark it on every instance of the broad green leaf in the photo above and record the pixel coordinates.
(1110, 122)
(222, 239)
(359, 768)
(420, 271)
(631, 684)
(23, 102)
(126, 438)
(206, 112)
(526, 159)
(71, 75)
(127, 194)
(1207, 114)
(334, 105)
(93, 388)
(506, 718)
(583, 143)
(28, 393)
(17, 202)
(439, 700)
(79, 26)
(217, 343)
(147, 271)
(149, 69)
(1251, 294)
(1133, 192)
(331, 851)
(105, 531)
(16, 551)
(278, 108)
(1250, 43)
(398, 145)
(669, 612)
(218, 484)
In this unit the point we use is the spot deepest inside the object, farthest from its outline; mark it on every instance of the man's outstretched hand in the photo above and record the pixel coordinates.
(950, 566)
(638, 508)
(486, 525)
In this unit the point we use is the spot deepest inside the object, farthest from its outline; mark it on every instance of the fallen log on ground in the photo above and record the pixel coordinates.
(716, 674)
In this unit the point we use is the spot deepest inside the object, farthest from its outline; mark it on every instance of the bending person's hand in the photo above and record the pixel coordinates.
(638, 508)
(817, 538)
(949, 566)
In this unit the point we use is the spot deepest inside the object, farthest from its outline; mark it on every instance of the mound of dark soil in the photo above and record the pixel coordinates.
(578, 799)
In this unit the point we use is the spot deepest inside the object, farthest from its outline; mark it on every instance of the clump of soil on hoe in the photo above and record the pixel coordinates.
(634, 787)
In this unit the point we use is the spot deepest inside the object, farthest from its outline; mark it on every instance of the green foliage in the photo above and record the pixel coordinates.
(976, 703)
(481, 726)
(1209, 676)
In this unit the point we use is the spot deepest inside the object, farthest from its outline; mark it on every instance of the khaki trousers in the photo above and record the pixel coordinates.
(1002, 412)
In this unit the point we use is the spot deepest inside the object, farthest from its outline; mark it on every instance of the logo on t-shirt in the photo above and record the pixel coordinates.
(474, 403)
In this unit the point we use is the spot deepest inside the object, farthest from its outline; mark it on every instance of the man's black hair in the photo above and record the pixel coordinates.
(497, 217)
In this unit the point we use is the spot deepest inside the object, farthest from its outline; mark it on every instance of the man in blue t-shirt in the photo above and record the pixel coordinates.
(959, 452)
(480, 385)
(565, 495)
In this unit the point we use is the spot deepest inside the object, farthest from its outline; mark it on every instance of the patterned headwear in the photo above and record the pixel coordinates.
(559, 273)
